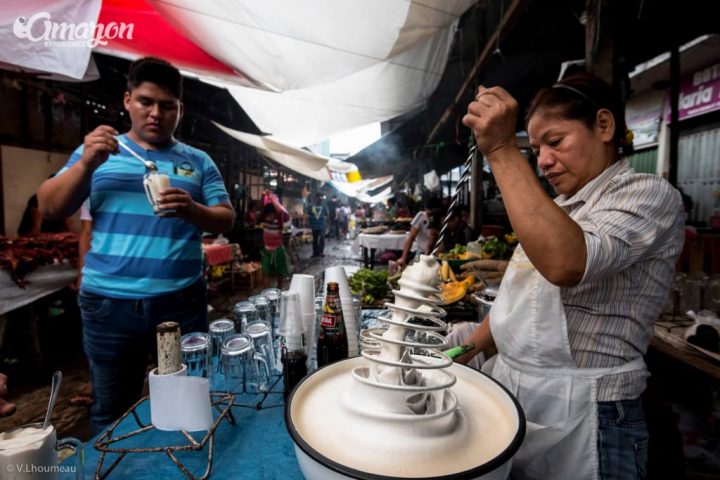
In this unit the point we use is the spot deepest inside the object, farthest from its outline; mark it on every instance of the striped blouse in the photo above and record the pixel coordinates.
(634, 233)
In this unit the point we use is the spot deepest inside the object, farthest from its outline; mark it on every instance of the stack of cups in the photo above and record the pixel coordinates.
(337, 274)
(292, 333)
(292, 330)
(304, 286)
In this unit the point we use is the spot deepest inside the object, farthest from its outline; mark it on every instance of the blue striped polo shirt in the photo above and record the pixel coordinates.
(135, 253)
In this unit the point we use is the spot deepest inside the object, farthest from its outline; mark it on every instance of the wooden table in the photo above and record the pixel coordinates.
(670, 342)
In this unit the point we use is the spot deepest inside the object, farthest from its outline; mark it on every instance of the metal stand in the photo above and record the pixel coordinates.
(264, 397)
(222, 403)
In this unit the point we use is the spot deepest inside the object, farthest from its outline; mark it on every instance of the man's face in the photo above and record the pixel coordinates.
(154, 112)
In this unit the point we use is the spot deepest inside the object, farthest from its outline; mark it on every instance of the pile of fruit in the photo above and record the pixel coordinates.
(453, 290)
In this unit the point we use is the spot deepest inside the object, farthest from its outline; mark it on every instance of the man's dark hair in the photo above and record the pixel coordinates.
(157, 71)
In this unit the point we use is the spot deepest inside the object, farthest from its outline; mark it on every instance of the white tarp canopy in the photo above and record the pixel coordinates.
(338, 173)
(26, 43)
(321, 66)
(330, 65)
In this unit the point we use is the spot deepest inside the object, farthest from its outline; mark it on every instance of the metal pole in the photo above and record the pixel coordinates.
(464, 177)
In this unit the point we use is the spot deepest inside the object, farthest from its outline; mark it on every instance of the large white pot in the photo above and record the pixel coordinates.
(334, 439)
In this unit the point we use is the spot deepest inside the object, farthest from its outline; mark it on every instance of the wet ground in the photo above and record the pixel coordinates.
(59, 335)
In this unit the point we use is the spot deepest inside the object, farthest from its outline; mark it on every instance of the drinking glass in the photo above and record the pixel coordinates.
(196, 348)
(244, 313)
(219, 331)
(262, 341)
(693, 287)
(245, 370)
(262, 305)
(712, 294)
(273, 297)
(38, 458)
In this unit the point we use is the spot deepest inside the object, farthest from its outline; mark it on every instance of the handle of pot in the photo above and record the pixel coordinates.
(77, 446)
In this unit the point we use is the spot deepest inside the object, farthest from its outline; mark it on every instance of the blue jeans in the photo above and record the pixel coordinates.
(318, 242)
(119, 338)
(622, 440)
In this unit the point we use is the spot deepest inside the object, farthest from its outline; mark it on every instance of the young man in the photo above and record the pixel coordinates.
(142, 268)
(424, 230)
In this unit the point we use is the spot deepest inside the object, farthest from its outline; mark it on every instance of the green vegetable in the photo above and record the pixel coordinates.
(371, 284)
(495, 248)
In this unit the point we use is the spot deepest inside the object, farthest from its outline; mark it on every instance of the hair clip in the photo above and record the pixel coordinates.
(628, 138)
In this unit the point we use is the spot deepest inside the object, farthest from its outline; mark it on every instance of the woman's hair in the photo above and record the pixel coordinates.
(268, 209)
(579, 97)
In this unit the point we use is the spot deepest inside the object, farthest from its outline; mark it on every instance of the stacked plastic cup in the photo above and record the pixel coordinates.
(337, 274)
(292, 330)
(304, 286)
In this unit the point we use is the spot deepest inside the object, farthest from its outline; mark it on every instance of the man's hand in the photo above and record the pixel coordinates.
(178, 200)
(6, 408)
(98, 146)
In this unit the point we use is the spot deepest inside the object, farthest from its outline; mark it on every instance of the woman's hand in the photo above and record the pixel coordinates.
(492, 118)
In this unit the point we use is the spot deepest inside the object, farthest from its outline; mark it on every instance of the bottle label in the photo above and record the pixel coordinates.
(328, 320)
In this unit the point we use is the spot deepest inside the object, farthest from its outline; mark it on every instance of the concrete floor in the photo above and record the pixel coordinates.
(29, 386)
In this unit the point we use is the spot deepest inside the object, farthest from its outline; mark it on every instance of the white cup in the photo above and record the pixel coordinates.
(337, 274)
(292, 328)
(29, 452)
(304, 285)
(154, 183)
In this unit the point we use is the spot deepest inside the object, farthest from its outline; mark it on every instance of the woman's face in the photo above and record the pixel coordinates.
(569, 153)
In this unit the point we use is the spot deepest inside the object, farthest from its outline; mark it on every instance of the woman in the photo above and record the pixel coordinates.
(575, 310)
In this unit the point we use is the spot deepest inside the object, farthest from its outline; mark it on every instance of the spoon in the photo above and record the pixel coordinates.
(54, 389)
(148, 164)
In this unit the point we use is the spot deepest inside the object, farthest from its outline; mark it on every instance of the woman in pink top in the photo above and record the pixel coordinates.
(274, 257)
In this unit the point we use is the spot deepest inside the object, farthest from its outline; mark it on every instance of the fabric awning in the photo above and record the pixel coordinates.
(303, 71)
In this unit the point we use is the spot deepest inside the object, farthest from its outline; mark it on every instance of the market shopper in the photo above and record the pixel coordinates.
(424, 230)
(575, 310)
(142, 268)
(274, 255)
(317, 214)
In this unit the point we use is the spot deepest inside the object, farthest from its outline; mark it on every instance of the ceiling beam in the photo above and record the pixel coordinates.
(517, 7)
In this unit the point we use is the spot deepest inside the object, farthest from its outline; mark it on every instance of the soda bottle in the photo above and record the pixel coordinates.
(332, 344)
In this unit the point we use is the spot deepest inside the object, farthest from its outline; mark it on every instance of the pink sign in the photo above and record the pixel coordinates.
(699, 93)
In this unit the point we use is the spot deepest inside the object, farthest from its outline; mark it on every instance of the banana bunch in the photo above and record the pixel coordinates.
(446, 273)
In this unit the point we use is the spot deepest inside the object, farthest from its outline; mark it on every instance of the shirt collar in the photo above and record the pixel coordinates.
(594, 185)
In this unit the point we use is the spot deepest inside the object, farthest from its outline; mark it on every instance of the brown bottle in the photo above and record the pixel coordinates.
(332, 344)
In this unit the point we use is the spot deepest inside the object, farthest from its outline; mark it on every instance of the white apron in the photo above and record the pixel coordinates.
(535, 363)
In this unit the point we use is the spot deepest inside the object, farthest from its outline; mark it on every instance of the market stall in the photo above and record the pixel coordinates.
(371, 243)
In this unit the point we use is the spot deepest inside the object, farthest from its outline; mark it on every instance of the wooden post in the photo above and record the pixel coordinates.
(600, 39)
